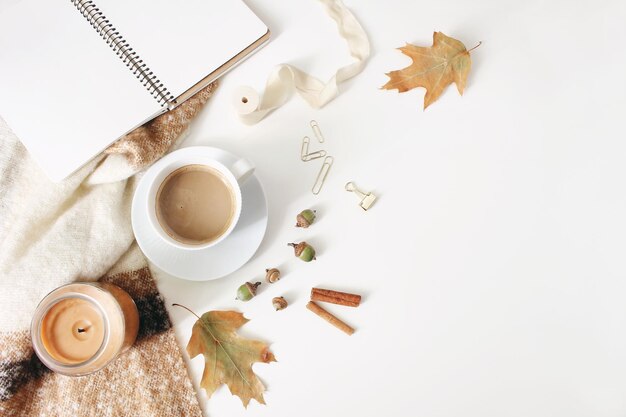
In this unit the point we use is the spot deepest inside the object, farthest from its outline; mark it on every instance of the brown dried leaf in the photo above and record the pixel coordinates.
(228, 357)
(433, 68)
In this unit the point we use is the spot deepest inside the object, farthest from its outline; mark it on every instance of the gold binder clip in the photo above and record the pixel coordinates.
(317, 131)
(305, 156)
(367, 199)
(321, 176)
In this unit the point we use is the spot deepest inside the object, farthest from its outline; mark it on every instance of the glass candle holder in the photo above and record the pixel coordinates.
(80, 328)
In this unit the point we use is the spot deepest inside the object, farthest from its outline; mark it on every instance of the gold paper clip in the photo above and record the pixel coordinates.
(314, 155)
(304, 151)
(317, 131)
(305, 156)
(367, 199)
(321, 177)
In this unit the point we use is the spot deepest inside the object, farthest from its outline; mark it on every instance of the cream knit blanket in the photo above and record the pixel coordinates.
(52, 234)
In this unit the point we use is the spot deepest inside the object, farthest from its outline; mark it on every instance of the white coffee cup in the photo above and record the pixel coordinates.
(235, 174)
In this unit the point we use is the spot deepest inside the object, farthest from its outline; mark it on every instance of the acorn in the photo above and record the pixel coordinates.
(303, 251)
(247, 291)
(272, 275)
(305, 218)
(279, 303)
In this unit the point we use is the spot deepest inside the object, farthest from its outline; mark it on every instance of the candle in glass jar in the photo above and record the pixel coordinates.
(79, 328)
(72, 330)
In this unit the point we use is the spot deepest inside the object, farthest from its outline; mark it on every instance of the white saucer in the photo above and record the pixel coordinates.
(213, 262)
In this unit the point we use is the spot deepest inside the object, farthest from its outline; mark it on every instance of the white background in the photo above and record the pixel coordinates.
(492, 266)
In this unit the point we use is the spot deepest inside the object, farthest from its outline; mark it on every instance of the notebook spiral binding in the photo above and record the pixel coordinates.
(122, 49)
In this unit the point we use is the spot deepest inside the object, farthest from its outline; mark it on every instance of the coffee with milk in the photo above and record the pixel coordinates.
(195, 204)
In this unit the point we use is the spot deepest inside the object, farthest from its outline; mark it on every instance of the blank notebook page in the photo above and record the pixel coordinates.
(62, 64)
(184, 41)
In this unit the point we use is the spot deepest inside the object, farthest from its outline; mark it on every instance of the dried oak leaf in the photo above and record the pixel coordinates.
(228, 357)
(433, 68)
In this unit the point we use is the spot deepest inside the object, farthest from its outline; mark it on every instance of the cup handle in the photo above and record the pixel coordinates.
(242, 170)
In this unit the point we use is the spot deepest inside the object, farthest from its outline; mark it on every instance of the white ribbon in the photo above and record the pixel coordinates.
(286, 78)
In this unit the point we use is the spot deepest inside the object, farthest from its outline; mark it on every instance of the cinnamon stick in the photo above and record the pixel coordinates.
(330, 318)
(335, 297)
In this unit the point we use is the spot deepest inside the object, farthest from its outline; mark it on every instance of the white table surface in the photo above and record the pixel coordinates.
(492, 266)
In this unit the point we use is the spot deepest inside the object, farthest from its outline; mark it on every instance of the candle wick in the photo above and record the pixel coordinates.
(80, 330)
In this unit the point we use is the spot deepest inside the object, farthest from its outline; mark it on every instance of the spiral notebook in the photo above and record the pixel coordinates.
(76, 75)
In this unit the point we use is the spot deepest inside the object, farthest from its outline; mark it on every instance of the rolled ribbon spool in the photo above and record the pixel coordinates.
(246, 102)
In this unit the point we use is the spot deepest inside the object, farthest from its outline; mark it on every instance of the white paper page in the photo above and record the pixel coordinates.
(63, 90)
(184, 41)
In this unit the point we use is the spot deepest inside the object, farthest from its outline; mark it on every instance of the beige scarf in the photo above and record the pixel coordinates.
(52, 234)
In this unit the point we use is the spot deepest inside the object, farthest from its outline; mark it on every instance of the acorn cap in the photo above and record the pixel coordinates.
(279, 303)
(252, 287)
(297, 247)
(272, 275)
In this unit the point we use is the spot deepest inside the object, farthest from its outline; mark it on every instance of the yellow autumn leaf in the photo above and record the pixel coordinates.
(433, 68)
